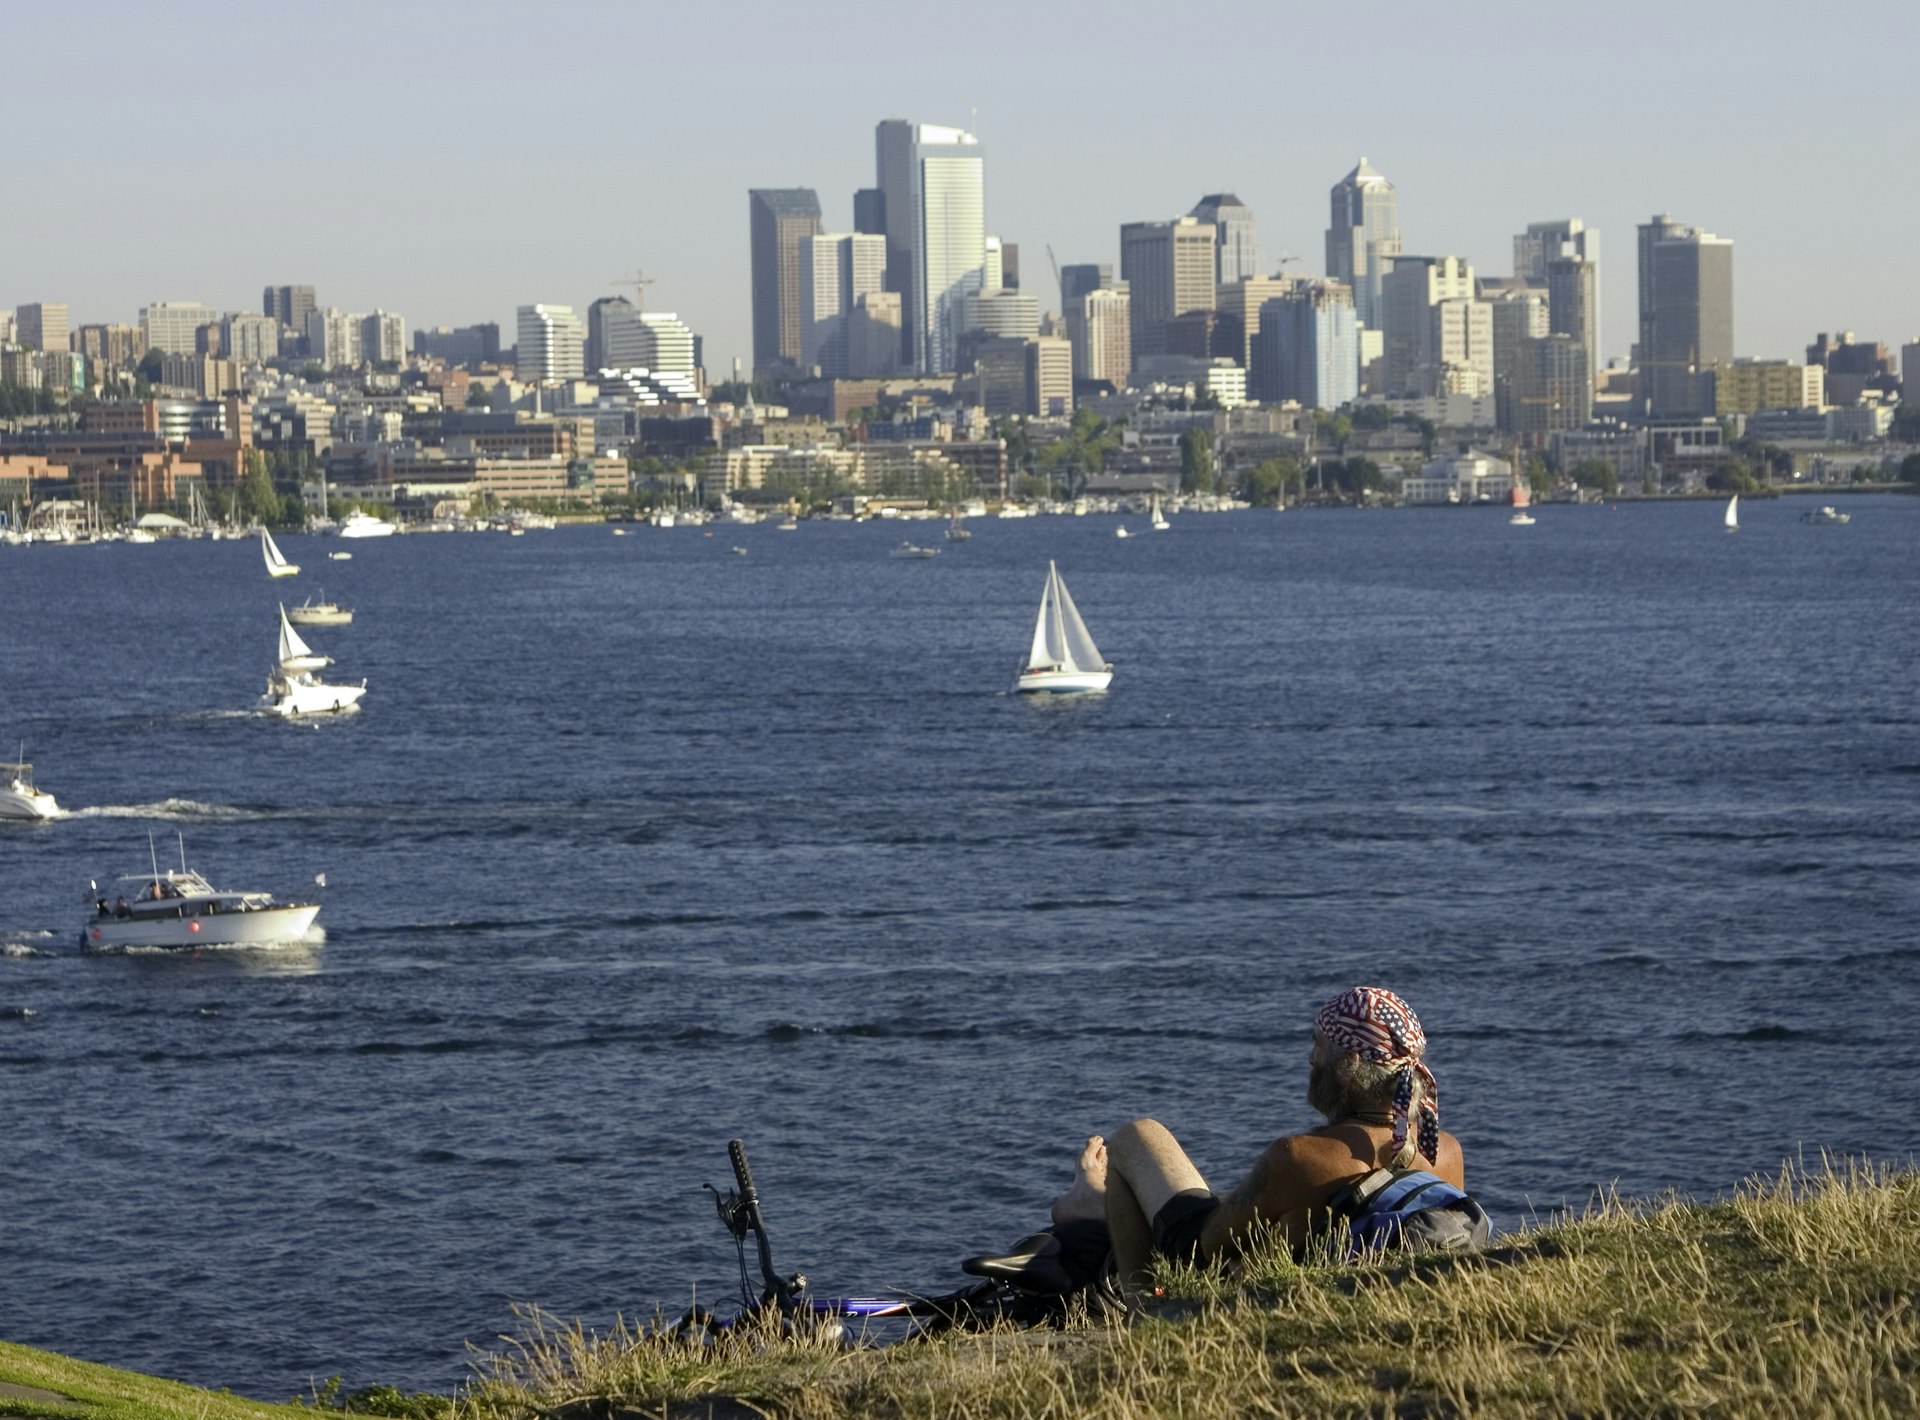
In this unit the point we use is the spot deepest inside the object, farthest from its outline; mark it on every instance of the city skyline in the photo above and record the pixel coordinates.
(115, 231)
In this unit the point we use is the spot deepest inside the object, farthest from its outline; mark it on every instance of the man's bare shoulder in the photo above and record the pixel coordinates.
(1336, 1154)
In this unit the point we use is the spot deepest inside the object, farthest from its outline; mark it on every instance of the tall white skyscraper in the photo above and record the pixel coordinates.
(667, 344)
(1363, 237)
(552, 344)
(933, 185)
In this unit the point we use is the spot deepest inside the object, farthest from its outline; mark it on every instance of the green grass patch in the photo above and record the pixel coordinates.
(1795, 1298)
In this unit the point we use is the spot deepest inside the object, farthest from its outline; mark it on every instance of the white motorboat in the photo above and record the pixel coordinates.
(1827, 514)
(1063, 656)
(359, 524)
(908, 549)
(339, 557)
(277, 565)
(179, 908)
(1121, 531)
(19, 799)
(1732, 518)
(1521, 518)
(320, 613)
(294, 687)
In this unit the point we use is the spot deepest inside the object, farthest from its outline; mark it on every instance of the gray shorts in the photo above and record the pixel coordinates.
(1176, 1227)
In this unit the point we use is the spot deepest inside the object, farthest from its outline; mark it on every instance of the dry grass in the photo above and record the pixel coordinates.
(1795, 1298)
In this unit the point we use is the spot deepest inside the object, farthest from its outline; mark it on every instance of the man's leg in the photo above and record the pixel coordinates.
(1145, 1167)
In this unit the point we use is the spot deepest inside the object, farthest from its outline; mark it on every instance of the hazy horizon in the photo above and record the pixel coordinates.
(453, 163)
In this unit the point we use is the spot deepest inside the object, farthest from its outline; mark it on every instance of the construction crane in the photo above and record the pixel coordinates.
(639, 281)
(1058, 284)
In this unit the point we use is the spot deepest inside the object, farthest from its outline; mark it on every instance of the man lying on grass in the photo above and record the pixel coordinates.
(1382, 1109)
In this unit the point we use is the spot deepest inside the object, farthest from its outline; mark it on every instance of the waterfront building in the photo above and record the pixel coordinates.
(1749, 386)
(1236, 248)
(1469, 476)
(42, 325)
(1686, 316)
(1308, 348)
(778, 218)
(1363, 238)
(1168, 268)
(551, 344)
(171, 326)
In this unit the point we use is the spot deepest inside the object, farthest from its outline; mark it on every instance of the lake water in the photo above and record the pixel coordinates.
(639, 845)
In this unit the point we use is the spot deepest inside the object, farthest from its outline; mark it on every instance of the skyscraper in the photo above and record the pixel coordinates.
(1574, 293)
(1686, 316)
(551, 344)
(1309, 347)
(778, 218)
(1168, 267)
(169, 326)
(932, 181)
(1100, 330)
(42, 325)
(290, 305)
(1236, 249)
(1363, 235)
(836, 270)
(1439, 337)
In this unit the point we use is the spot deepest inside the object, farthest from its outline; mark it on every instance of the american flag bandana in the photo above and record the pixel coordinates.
(1378, 1026)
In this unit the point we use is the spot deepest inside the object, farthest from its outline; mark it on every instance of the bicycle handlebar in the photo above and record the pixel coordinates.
(785, 1290)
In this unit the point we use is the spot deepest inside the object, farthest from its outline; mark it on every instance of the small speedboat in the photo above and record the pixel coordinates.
(1521, 518)
(18, 797)
(908, 549)
(1827, 514)
(1121, 531)
(339, 557)
(179, 908)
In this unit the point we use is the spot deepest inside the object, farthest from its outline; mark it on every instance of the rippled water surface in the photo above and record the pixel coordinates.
(639, 845)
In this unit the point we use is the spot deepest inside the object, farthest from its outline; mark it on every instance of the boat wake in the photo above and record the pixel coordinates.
(175, 810)
(290, 951)
(22, 944)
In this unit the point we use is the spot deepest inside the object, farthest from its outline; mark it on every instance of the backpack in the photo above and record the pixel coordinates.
(1408, 1210)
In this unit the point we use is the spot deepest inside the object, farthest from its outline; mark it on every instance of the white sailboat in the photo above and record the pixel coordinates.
(1160, 523)
(277, 565)
(1733, 513)
(296, 654)
(1063, 656)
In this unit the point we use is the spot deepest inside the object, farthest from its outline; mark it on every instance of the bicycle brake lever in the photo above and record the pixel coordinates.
(732, 1210)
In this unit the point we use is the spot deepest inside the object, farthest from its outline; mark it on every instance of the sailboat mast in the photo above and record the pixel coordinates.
(1059, 626)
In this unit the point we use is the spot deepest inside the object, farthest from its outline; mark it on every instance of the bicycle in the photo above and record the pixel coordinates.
(1037, 1284)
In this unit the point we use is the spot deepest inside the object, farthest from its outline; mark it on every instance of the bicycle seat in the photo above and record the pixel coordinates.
(1034, 1264)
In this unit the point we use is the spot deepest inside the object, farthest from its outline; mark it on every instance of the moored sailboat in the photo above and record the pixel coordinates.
(1063, 656)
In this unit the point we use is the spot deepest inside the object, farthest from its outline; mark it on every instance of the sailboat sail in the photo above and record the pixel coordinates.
(296, 653)
(1733, 513)
(1060, 638)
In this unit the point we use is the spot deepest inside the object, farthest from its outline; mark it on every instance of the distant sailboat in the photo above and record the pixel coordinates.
(1521, 497)
(1063, 656)
(296, 654)
(277, 566)
(1160, 523)
(1733, 513)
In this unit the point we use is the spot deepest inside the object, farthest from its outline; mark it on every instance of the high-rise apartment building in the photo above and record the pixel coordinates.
(1100, 330)
(1575, 289)
(383, 337)
(1236, 247)
(42, 325)
(836, 270)
(290, 305)
(1309, 347)
(669, 346)
(611, 342)
(1049, 377)
(1168, 268)
(1686, 316)
(1439, 337)
(250, 340)
(1363, 237)
(118, 345)
(933, 185)
(333, 338)
(778, 218)
(552, 344)
(170, 326)
(470, 345)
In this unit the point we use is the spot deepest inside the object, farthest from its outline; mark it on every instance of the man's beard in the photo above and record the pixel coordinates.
(1324, 1094)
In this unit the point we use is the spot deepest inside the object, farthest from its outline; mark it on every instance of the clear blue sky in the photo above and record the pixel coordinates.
(453, 161)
